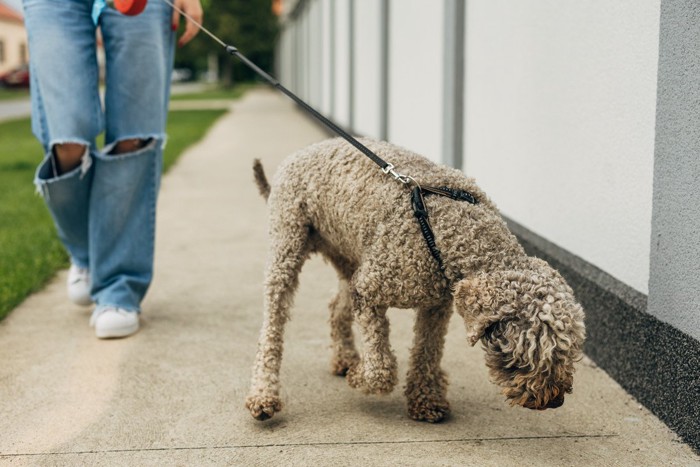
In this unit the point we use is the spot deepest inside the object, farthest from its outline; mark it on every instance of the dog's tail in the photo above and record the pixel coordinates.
(261, 179)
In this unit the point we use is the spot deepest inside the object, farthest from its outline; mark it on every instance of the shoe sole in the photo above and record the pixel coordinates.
(116, 333)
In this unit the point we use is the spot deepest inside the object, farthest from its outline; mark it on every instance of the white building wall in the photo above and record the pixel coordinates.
(315, 35)
(559, 124)
(304, 58)
(367, 70)
(341, 107)
(327, 58)
(415, 75)
(286, 56)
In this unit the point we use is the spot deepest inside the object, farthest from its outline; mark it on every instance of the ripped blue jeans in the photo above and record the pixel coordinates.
(104, 210)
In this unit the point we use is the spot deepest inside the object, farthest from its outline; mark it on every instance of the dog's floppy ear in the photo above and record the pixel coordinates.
(481, 303)
(474, 300)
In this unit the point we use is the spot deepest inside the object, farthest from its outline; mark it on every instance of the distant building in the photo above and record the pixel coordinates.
(13, 39)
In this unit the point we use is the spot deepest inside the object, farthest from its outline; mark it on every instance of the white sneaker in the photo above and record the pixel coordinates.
(79, 285)
(110, 321)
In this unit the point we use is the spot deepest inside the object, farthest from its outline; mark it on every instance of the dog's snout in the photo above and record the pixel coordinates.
(531, 403)
(556, 402)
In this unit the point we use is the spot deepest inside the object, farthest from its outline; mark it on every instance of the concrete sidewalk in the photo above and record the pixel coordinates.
(173, 394)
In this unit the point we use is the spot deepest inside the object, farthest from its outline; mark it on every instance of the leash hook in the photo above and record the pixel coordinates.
(405, 179)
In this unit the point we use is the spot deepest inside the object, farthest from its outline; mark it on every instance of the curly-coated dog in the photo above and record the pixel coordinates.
(330, 199)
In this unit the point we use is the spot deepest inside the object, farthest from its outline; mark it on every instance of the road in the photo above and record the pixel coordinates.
(11, 109)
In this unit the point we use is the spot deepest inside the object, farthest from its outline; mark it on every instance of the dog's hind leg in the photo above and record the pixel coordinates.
(426, 383)
(344, 353)
(288, 252)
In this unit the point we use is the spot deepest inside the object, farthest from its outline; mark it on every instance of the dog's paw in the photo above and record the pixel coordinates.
(429, 410)
(376, 381)
(263, 407)
(426, 398)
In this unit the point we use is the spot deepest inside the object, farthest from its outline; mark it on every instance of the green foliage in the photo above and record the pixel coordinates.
(30, 252)
(248, 25)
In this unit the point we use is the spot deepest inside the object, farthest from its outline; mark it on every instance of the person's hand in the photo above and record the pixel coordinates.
(194, 9)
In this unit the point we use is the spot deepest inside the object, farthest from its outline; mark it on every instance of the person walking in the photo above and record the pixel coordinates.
(103, 201)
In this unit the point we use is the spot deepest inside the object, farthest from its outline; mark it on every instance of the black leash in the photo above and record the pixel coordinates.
(419, 209)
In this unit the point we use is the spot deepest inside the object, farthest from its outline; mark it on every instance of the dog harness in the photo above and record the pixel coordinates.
(420, 211)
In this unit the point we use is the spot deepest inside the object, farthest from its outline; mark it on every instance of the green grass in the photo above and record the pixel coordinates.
(30, 252)
(13, 94)
(215, 93)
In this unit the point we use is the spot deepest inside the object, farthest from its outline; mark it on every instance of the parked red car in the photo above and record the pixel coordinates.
(17, 78)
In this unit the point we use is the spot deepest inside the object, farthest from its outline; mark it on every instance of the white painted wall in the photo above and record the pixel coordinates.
(304, 59)
(341, 107)
(367, 72)
(559, 126)
(285, 56)
(315, 32)
(326, 106)
(559, 107)
(415, 76)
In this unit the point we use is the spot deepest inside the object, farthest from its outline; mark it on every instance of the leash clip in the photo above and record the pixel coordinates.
(405, 179)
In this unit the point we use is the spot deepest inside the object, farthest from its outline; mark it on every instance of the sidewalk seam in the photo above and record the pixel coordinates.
(340, 443)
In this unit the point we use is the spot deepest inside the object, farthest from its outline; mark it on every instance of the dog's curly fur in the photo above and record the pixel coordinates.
(330, 199)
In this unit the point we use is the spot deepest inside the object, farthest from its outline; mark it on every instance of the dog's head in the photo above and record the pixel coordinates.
(531, 328)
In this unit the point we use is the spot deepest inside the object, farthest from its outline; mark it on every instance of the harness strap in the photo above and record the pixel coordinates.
(420, 211)
(457, 195)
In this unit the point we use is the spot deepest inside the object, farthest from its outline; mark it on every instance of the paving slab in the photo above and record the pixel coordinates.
(173, 394)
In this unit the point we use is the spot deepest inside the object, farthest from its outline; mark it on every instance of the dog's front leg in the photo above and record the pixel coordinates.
(376, 371)
(281, 280)
(426, 383)
(344, 353)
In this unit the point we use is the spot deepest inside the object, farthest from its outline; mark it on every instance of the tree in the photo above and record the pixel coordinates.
(248, 25)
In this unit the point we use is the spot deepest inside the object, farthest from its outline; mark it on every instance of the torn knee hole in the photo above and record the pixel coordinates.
(129, 145)
(69, 150)
(67, 156)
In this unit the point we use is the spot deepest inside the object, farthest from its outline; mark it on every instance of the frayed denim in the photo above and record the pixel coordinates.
(104, 210)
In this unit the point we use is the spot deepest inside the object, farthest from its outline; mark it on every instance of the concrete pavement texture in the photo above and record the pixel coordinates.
(173, 394)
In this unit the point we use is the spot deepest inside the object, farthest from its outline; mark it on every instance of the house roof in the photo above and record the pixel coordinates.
(8, 13)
